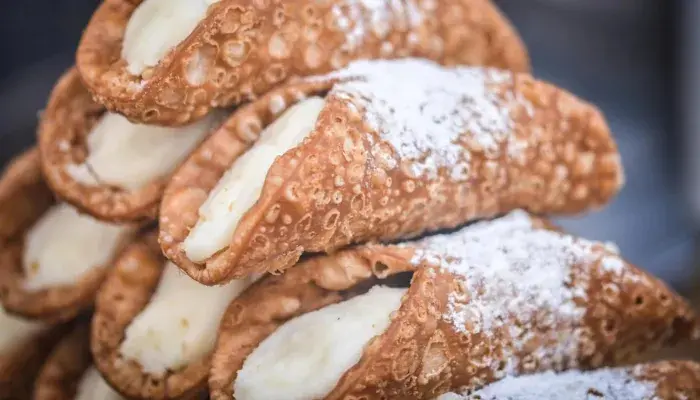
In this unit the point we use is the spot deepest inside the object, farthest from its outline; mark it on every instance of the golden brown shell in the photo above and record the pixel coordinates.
(243, 48)
(64, 368)
(422, 355)
(66, 122)
(332, 190)
(123, 296)
(24, 198)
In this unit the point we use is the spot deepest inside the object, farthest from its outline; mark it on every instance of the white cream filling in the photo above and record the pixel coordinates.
(240, 187)
(13, 330)
(130, 156)
(92, 387)
(158, 26)
(180, 323)
(64, 244)
(305, 357)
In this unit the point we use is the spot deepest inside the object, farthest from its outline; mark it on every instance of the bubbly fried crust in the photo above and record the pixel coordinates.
(123, 296)
(20, 367)
(422, 355)
(673, 379)
(64, 368)
(24, 195)
(332, 190)
(24, 198)
(244, 48)
(272, 301)
(664, 380)
(66, 122)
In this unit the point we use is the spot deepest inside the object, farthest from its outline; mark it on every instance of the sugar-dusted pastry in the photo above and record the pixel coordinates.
(154, 327)
(497, 298)
(24, 345)
(103, 164)
(379, 151)
(168, 62)
(664, 380)
(52, 258)
(68, 373)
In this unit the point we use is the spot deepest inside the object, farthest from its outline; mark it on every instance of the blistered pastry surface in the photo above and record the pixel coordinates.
(173, 331)
(124, 295)
(305, 357)
(614, 311)
(241, 185)
(243, 49)
(372, 172)
(192, 183)
(26, 200)
(66, 366)
(158, 26)
(275, 299)
(608, 310)
(664, 380)
(65, 127)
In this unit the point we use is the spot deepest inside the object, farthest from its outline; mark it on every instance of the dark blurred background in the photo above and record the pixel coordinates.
(623, 55)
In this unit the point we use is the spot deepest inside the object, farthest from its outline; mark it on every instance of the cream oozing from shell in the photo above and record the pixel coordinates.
(180, 322)
(130, 156)
(64, 245)
(158, 26)
(93, 386)
(305, 357)
(242, 184)
(13, 330)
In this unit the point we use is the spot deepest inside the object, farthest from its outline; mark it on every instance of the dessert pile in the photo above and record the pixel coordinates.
(327, 199)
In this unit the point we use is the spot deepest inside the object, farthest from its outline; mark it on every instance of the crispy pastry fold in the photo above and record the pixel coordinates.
(63, 370)
(24, 200)
(498, 298)
(68, 122)
(664, 380)
(124, 295)
(241, 49)
(389, 160)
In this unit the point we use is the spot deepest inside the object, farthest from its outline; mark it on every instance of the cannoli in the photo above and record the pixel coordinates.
(665, 380)
(169, 62)
(380, 159)
(103, 164)
(497, 298)
(68, 373)
(154, 327)
(24, 345)
(52, 258)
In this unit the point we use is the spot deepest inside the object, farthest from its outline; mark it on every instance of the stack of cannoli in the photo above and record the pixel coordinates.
(337, 199)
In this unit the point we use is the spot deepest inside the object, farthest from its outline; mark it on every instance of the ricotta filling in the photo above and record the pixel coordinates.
(92, 386)
(305, 357)
(242, 184)
(158, 26)
(64, 245)
(130, 156)
(180, 323)
(14, 330)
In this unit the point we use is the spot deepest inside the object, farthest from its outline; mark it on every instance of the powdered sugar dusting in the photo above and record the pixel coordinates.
(517, 281)
(605, 383)
(429, 114)
(358, 18)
